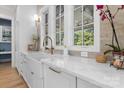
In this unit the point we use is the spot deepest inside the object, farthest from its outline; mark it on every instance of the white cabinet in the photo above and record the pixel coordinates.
(19, 61)
(85, 84)
(55, 78)
(36, 72)
(32, 73)
(17, 57)
(38, 75)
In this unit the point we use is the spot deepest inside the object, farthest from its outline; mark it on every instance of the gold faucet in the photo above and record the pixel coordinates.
(46, 48)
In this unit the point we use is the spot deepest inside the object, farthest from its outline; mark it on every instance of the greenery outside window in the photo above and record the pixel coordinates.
(84, 25)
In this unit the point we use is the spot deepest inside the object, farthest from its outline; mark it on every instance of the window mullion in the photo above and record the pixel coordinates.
(60, 31)
(82, 29)
(59, 18)
(60, 27)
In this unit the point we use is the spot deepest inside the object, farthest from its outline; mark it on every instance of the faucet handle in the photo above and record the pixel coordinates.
(52, 48)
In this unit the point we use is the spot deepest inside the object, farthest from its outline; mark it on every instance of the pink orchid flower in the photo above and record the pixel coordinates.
(99, 7)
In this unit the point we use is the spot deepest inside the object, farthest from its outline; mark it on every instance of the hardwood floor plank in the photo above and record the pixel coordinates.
(9, 77)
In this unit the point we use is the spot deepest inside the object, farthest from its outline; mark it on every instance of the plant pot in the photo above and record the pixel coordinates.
(117, 64)
(118, 61)
(121, 53)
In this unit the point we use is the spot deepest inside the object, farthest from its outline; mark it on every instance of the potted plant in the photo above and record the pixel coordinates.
(105, 13)
(114, 50)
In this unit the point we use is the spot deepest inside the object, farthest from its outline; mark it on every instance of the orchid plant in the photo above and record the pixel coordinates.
(105, 13)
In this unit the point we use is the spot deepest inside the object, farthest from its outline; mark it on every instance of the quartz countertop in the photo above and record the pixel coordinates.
(87, 69)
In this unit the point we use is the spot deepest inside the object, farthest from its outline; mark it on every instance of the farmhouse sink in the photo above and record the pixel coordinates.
(39, 56)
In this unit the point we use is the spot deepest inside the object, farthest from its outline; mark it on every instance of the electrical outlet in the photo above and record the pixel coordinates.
(84, 54)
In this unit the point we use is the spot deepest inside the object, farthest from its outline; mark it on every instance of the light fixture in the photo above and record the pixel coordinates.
(36, 18)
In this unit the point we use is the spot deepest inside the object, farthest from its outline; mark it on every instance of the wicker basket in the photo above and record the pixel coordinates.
(101, 58)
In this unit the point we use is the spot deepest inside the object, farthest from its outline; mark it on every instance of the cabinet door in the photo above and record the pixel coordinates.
(19, 62)
(24, 67)
(54, 78)
(37, 82)
(85, 84)
(26, 72)
(34, 73)
(17, 56)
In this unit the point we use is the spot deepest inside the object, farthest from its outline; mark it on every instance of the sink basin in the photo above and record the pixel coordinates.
(39, 56)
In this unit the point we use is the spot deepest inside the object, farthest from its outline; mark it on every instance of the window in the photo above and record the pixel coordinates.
(59, 25)
(46, 27)
(84, 25)
(75, 26)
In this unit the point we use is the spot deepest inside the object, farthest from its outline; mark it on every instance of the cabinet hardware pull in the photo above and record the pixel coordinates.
(32, 73)
(54, 70)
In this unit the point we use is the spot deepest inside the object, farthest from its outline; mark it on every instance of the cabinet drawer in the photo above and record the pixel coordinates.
(35, 67)
(85, 84)
(55, 78)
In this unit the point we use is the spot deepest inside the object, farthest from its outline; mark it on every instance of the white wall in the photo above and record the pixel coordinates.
(8, 10)
(25, 26)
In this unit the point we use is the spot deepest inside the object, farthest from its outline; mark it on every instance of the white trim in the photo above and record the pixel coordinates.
(60, 18)
(5, 52)
(5, 41)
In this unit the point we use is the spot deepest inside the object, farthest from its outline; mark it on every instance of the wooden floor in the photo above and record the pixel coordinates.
(9, 77)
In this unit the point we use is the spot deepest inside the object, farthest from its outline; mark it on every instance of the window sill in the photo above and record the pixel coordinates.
(75, 48)
(85, 49)
(59, 47)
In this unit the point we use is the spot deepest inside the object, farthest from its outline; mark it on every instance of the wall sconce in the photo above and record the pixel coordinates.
(37, 18)
(37, 21)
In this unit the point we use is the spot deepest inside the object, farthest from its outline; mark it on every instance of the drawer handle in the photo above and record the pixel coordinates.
(32, 73)
(54, 70)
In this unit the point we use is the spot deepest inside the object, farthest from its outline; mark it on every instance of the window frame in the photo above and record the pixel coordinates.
(60, 46)
(68, 29)
(42, 12)
(96, 47)
(46, 12)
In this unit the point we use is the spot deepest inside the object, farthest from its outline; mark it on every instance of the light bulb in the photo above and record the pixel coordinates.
(36, 18)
